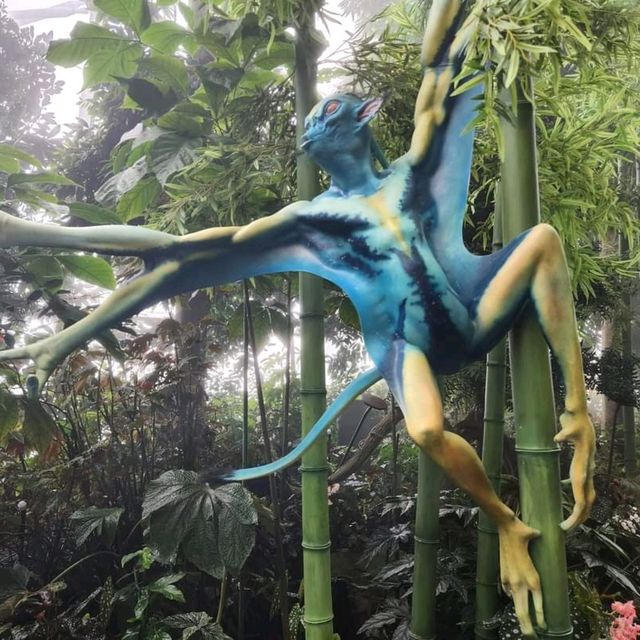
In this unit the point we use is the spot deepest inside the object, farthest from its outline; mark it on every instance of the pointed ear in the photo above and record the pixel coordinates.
(369, 109)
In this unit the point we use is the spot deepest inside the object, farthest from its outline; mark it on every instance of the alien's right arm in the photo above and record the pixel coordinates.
(442, 46)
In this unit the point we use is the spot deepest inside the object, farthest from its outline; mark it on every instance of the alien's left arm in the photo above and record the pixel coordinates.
(203, 259)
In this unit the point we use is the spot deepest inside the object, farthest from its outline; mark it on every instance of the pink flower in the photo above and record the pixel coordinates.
(625, 609)
(623, 627)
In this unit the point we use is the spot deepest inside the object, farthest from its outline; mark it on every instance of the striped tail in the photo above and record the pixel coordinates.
(353, 389)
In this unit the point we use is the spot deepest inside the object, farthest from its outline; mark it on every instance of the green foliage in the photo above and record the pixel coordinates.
(93, 213)
(212, 528)
(196, 624)
(102, 522)
(28, 82)
(90, 269)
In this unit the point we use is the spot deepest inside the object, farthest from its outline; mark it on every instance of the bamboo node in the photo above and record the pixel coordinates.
(432, 541)
(311, 392)
(533, 451)
(313, 546)
(309, 469)
(318, 620)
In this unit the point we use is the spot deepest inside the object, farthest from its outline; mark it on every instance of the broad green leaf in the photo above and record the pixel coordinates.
(168, 69)
(134, 13)
(47, 272)
(90, 269)
(111, 191)
(172, 153)
(137, 200)
(165, 587)
(147, 95)
(40, 177)
(187, 118)
(101, 521)
(278, 54)
(13, 581)
(93, 213)
(9, 414)
(38, 426)
(204, 524)
(170, 525)
(165, 36)
(141, 604)
(236, 517)
(191, 619)
(196, 622)
(170, 488)
(107, 65)
(200, 547)
(86, 40)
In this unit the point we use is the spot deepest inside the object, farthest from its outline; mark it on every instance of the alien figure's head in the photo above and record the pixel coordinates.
(337, 129)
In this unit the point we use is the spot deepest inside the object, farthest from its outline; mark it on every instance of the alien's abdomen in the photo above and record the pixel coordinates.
(409, 301)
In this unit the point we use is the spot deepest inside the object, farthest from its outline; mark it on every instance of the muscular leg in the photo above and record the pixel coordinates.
(537, 269)
(414, 385)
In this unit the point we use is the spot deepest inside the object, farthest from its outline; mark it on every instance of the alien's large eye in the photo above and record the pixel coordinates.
(331, 107)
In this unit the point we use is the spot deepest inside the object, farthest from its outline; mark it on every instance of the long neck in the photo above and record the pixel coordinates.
(351, 173)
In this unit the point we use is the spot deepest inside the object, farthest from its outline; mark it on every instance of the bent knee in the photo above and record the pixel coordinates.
(547, 237)
(428, 436)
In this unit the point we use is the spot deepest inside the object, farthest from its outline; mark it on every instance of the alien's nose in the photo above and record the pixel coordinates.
(305, 141)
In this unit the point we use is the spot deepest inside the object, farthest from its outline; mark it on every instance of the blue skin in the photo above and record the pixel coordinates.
(414, 283)
(426, 297)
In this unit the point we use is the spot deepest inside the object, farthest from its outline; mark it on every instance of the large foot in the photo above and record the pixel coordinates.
(44, 358)
(518, 575)
(578, 429)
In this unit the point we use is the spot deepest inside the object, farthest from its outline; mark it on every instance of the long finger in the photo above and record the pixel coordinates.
(538, 606)
(521, 604)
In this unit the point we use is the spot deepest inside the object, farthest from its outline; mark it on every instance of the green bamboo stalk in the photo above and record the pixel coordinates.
(316, 542)
(487, 568)
(628, 414)
(538, 455)
(426, 541)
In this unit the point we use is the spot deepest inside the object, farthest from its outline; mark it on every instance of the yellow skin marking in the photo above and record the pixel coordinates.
(429, 112)
(388, 217)
(441, 19)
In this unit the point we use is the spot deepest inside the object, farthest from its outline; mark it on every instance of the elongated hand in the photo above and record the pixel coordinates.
(578, 429)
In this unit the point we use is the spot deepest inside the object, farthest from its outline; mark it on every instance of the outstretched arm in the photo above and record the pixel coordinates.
(441, 48)
(186, 263)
